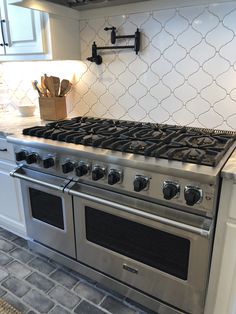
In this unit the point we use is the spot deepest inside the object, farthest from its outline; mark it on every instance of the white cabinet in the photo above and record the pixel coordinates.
(34, 35)
(11, 206)
(20, 30)
(221, 296)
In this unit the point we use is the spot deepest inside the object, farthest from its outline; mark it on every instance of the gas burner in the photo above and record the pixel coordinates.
(91, 140)
(177, 151)
(201, 141)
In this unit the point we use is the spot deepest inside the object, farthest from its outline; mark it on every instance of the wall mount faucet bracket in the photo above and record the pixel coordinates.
(136, 46)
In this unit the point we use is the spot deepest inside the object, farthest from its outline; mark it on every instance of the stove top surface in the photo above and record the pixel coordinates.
(193, 145)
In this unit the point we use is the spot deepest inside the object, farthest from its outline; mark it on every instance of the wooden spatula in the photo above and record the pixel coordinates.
(56, 83)
(64, 86)
(48, 81)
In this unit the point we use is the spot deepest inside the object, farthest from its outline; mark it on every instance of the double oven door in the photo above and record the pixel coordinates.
(149, 247)
(48, 211)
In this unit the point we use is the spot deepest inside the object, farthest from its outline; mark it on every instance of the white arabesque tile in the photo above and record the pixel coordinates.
(185, 72)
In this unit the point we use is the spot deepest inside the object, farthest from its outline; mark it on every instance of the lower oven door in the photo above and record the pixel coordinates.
(158, 250)
(48, 211)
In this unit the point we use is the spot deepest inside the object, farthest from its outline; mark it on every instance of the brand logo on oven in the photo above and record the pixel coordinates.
(130, 269)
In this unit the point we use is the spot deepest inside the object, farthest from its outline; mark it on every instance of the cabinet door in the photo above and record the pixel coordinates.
(22, 29)
(11, 208)
(225, 300)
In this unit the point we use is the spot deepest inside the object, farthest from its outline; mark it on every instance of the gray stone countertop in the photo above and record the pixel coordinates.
(13, 122)
(229, 170)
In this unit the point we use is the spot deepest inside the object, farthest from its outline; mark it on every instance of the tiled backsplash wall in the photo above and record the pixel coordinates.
(184, 74)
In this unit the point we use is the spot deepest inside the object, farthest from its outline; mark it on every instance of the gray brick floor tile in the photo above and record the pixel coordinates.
(38, 301)
(89, 292)
(16, 303)
(18, 270)
(41, 265)
(6, 246)
(2, 292)
(64, 278)
(87, 308)
(116, 307)
(4, 259)
(40, 282)
(64, 297)
(16, 286)
(21, 242)
(59, 310)
(7, 234)
(31, 312)
(22, 255)
(3, 274)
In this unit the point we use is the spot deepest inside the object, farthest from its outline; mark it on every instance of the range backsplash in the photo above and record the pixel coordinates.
(184, 74)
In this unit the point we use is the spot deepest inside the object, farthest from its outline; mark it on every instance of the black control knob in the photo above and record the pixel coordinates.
(170, 190)
(114, 177)
(82, 170)
(140, 183)
(98, 173)
(48, 162)
(31, 158)
(192, 195)
(21, 155)
(67, 167)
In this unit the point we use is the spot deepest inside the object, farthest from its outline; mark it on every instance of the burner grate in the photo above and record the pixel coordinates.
(193, 145)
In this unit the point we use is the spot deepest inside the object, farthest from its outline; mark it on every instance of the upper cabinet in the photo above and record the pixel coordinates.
(33, 35)
(21, 30)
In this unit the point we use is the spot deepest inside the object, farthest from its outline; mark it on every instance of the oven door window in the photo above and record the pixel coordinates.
(47, 208)
(161, 250)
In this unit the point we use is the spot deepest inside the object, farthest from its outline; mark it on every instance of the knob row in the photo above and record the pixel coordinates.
(192, 194)
(32, 158)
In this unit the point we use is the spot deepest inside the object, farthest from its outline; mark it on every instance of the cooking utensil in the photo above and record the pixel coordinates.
(66, 91)
(37, 88)
(48, 81)
(64, 86)
(56, 83)
(44, 88)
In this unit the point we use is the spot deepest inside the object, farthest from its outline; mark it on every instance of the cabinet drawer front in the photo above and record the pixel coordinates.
(6, 150)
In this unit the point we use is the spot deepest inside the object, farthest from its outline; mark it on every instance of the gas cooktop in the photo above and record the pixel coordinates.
(193, 145)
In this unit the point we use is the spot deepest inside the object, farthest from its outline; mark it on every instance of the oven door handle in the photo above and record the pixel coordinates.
(199, 231)
(17, 173)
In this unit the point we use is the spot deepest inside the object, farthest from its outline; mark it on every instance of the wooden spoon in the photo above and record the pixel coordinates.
(64, 86)
(44, 88)
(66, 91)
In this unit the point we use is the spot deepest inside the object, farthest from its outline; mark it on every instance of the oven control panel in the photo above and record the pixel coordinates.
(158, 187)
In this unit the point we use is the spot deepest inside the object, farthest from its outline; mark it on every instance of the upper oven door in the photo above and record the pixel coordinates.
(155, 249)
(48, 211)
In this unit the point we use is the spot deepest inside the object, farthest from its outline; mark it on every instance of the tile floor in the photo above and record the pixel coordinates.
(35, 284)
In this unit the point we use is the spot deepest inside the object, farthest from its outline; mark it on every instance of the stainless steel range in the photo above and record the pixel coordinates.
(132, 205)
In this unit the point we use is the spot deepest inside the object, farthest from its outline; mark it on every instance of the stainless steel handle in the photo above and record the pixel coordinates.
(15, 174)
(199, 231)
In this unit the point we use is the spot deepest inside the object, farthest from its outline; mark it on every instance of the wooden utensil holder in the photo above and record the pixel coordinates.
(52, 108)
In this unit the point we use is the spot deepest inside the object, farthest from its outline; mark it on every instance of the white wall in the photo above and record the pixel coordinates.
(185, 73)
